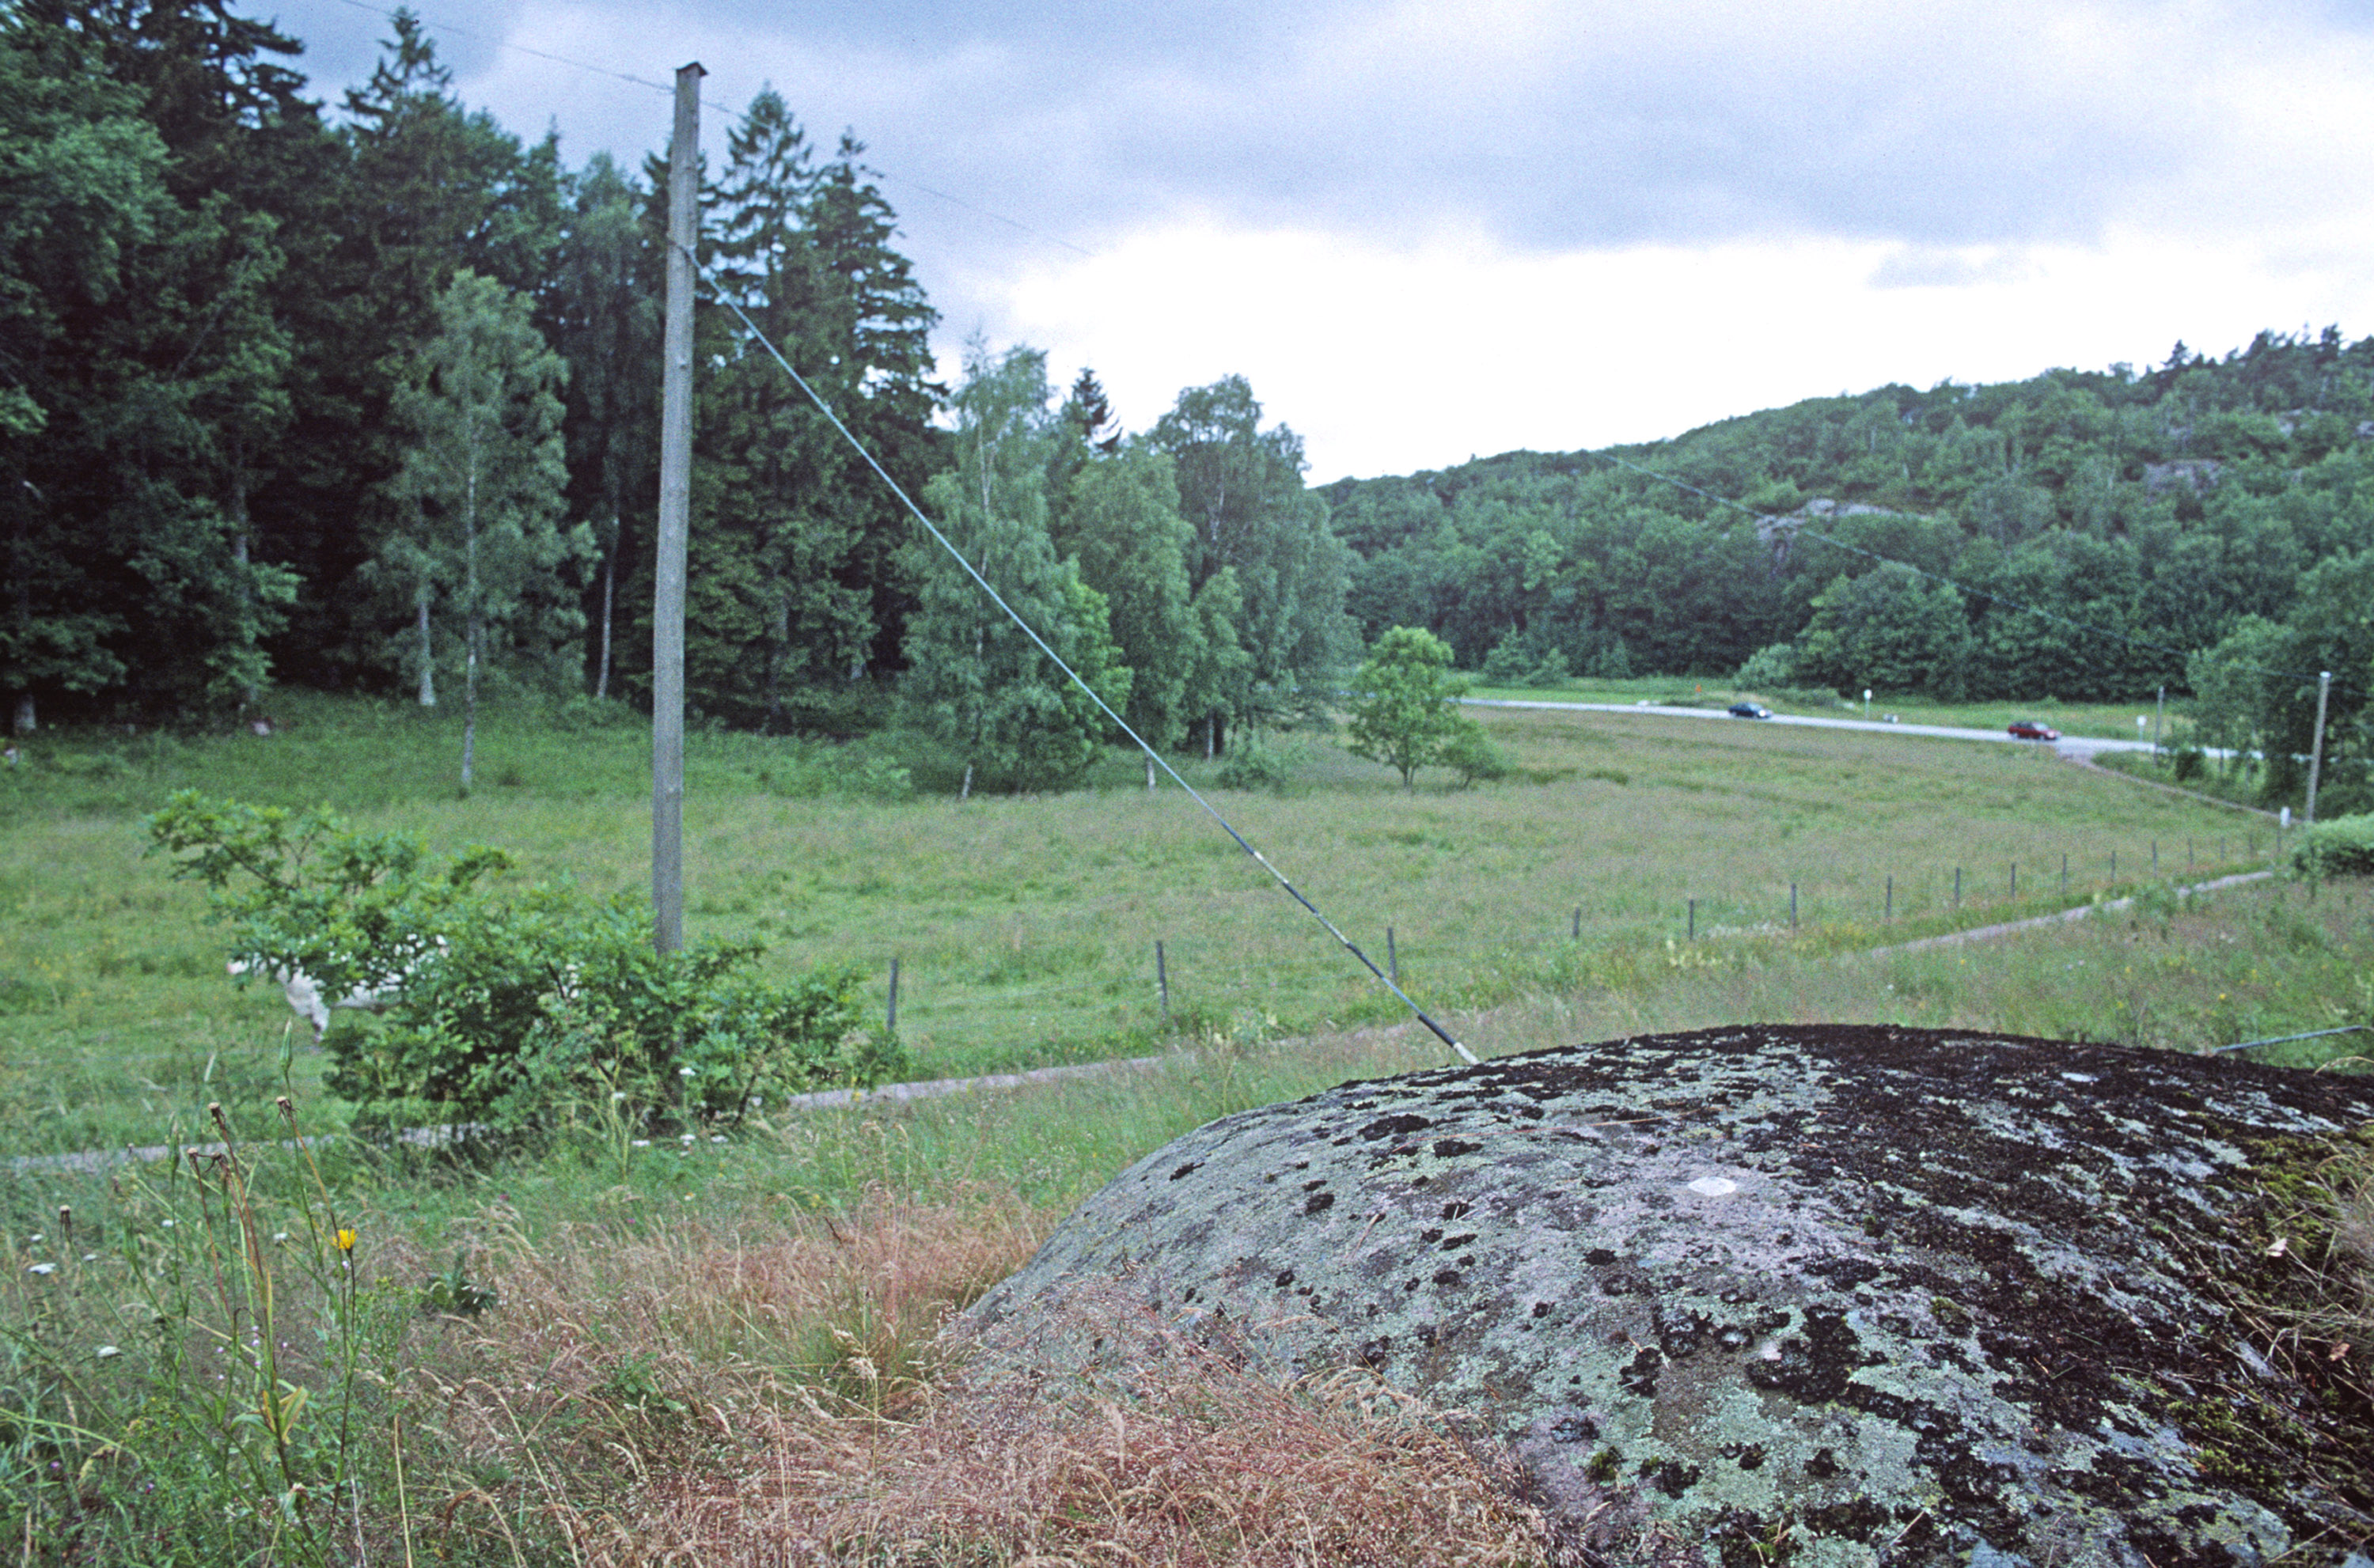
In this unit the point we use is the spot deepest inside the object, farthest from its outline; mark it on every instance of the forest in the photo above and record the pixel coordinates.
(368, 399)
(364, 398)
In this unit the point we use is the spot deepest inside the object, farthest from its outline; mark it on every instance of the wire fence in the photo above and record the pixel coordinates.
(1201, 982)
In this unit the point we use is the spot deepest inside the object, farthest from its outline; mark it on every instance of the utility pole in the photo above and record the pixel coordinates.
(2316, 750)
(2159, 719)
(674, 522)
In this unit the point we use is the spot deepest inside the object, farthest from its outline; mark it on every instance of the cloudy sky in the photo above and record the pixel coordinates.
(1430, 230)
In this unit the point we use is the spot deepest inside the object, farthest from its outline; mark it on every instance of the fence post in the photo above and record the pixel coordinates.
(1578, 922)
(1891, 898)
(2065, 873)
(2015, 879)
(1793, 906)
(890, 1016)
(2155, 857)
(1392, 959)
(1162, 980)
(2114, 865)
(1694, 919)
(1958, 887)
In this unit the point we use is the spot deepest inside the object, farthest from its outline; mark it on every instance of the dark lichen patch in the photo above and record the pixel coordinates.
(1949, 1292)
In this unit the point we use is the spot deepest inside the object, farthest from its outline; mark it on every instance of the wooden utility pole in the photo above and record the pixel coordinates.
(2315, 749)
(674, 522)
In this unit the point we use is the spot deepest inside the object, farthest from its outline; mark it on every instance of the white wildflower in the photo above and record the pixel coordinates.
(43, 1269)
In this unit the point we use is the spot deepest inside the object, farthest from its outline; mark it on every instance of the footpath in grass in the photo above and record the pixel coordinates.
(1026, 928)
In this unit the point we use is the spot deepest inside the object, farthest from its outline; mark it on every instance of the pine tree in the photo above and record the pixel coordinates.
(608, 332)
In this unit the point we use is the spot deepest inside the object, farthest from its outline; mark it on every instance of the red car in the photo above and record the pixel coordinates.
(2029, 729)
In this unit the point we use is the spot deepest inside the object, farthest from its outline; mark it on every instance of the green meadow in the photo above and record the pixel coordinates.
(527, 1357)
(1024, 928)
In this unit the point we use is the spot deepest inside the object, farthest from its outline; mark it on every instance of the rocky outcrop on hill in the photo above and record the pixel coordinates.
(1787, 1295)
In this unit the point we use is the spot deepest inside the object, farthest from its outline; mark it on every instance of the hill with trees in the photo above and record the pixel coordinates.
(367, 400)
(2207, 525)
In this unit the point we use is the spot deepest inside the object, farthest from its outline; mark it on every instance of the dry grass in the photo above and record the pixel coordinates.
(672, 1392)
(1209, 1465)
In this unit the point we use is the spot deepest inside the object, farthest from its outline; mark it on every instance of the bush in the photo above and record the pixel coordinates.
(2191, 764)
(508, 1012)
(1551, 672)
(1768, 669)
(1474, 755)
(1251, 763)
(2342, 847)
(558, 1002)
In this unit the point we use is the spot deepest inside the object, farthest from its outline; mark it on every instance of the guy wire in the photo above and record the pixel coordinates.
(999, 599)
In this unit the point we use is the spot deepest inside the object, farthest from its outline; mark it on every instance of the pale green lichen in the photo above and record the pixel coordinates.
(1935, 1298)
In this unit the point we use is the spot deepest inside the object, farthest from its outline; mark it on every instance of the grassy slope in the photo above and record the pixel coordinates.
(660, 1303)
(1026, 927)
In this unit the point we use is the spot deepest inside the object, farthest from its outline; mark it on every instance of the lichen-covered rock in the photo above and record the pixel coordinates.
(1764, 1295)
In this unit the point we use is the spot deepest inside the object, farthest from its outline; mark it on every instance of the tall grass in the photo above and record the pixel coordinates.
(1026, 927)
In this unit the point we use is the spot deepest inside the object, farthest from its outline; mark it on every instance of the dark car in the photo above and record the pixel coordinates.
(1750, 710)
(2029, 729)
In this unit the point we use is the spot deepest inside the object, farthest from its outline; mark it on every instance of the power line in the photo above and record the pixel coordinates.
(1799, 531)
(1094, 696)
(736, 115)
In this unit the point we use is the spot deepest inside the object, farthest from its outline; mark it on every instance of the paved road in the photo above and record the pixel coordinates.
(2068, 746)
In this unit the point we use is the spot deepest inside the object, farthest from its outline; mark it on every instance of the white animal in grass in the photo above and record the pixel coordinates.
(304, 992)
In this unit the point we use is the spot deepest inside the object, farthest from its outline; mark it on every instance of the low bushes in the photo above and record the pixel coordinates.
(511, 1012)
(2343, 847)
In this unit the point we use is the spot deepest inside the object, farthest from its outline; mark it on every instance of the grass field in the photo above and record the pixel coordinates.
(600, 1352)
(1026, 928)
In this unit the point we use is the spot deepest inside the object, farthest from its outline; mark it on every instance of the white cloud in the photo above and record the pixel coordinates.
(1390, 360)
(1424, 229)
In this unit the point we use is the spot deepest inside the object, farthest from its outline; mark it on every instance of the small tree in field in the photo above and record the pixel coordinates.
(483, 483)
(1403, 710)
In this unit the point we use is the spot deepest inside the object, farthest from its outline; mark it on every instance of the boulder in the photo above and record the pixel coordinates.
(1808, 1294)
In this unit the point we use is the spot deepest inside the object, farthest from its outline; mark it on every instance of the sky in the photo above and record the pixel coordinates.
(1430, 231)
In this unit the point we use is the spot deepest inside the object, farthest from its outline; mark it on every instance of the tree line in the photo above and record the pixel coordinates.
(2206, 526)
(368, 400)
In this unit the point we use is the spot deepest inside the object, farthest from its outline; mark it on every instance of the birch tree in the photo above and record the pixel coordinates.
(481, 483)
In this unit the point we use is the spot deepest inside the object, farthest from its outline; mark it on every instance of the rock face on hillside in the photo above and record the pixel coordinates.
(1785, 1294)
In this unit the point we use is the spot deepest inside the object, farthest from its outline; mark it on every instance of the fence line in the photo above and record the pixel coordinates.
(1176, 967)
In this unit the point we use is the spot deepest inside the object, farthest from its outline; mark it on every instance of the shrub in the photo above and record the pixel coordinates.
(508, 1012)
(1251, 763)
(2342, 847)
(2189, 764)
(1768, 669)
(558, 1001)
(1474, 755)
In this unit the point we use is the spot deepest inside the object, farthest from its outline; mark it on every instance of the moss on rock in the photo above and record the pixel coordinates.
(1821, 1295)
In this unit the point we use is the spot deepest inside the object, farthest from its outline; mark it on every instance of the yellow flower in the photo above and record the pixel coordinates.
(346, 1241)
